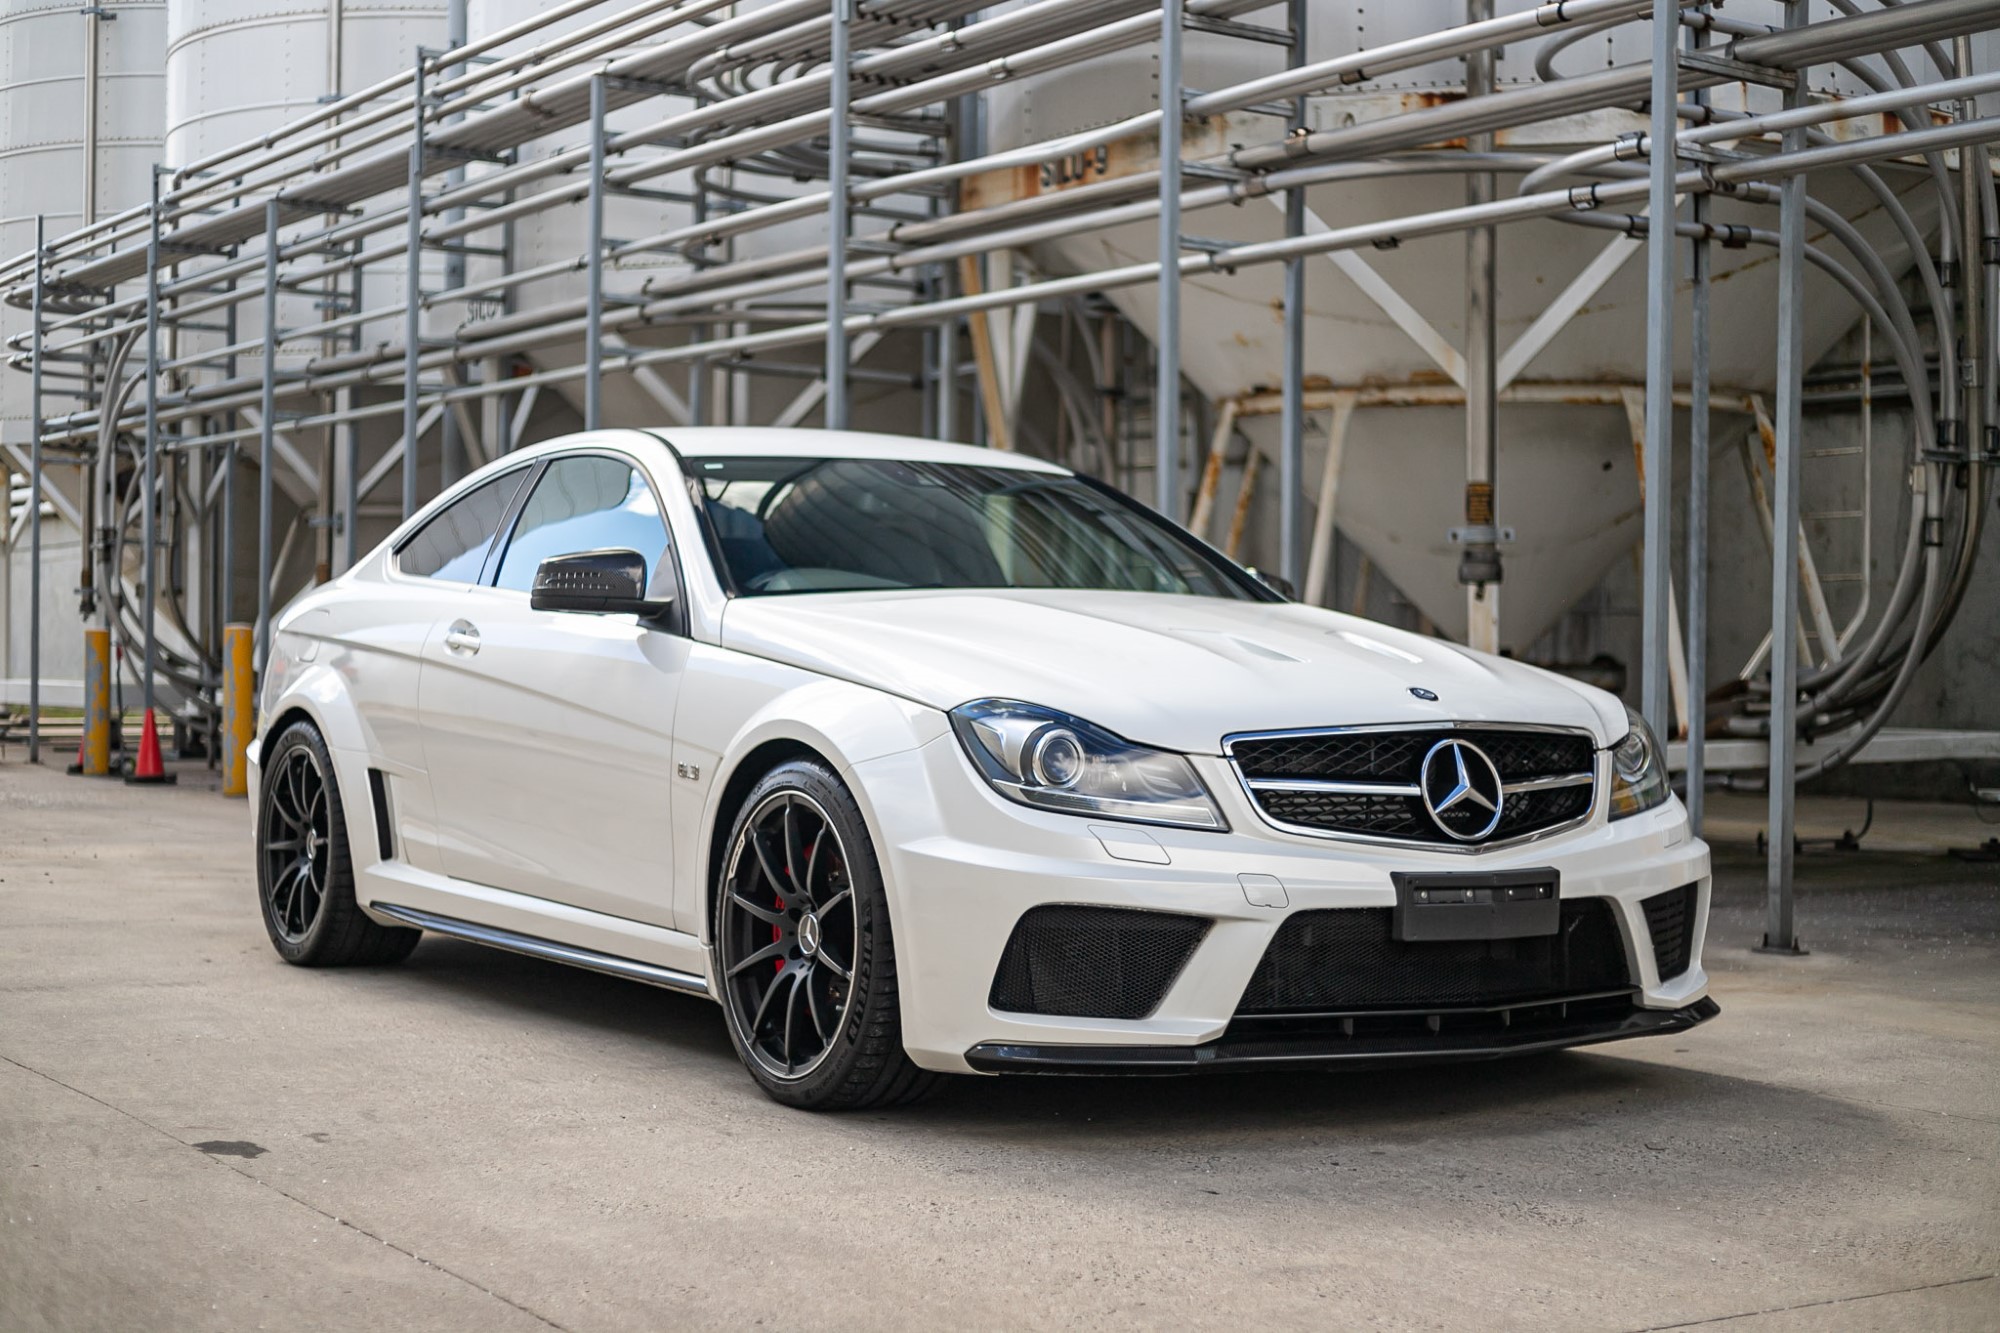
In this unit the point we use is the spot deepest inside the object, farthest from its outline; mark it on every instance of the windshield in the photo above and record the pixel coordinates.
(790, 525)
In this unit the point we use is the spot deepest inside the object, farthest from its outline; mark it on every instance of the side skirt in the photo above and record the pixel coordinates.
(535, 947)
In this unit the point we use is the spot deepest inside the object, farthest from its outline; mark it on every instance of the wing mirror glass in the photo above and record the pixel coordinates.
(604, 582)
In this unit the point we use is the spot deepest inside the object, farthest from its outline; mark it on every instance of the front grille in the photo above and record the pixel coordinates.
(1093, 962)
(1360, 756)
(1347, 959)
(1351, 812)
(1670, 921)
(1526, 812)
(1320, 763)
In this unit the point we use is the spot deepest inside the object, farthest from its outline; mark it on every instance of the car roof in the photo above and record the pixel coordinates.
(797, 442)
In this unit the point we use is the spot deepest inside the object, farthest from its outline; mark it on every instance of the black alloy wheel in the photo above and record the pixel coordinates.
(803, 951)
(305, 877)
(793, 934)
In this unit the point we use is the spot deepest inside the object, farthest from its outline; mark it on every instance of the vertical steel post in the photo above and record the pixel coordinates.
(149, 536)
(266, 433)
(226, 597)
(972, 120)
(413, 295)
(1292, 418)
(1656, 569)
(231, 456)
(1780, 930)
(700, 381)
(350, 485)
(927, 375)
(838, 151)
(451, 446)
(593, 333)
(1973, 181)
(35, 502)
(1697, 503)
(947, 418)
(932, 289)
(1167, 340)
(1479, 566)
(947, 423)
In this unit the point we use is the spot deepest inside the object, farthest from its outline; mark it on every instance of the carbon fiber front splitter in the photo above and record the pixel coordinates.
(1322, 1044)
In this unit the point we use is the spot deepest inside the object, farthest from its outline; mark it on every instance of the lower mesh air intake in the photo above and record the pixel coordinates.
(1093, 962)
(1347, 959)
(1670, 919)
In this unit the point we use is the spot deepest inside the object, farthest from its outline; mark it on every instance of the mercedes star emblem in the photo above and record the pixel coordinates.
(1461, 790)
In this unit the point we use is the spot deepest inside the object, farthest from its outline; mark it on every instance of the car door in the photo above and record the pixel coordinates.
(547, 734)
(378, 635)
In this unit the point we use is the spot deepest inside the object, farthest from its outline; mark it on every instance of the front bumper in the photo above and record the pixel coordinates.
(963, 865)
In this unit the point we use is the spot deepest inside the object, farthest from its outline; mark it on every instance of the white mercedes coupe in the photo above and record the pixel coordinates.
(924, 759)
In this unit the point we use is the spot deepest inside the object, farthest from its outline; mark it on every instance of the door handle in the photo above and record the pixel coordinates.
(462, 638)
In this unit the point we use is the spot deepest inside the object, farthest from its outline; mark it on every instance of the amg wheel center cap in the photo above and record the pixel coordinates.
(808, 934)
(1462, 791)
(312, 845)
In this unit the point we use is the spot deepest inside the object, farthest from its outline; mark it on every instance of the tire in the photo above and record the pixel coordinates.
(305, 880)
(810, 1037)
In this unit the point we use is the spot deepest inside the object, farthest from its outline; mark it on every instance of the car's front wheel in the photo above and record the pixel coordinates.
(804, 955)
(305, 880)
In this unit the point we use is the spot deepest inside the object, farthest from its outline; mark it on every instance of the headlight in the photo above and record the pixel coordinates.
(1638, 770)
(1051, 760)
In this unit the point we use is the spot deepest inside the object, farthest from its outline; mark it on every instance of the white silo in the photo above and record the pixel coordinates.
(238, 69)
(1567, 478)
(80, 102)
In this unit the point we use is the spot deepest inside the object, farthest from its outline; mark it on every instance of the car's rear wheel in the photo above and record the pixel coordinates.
(305, 880)
(804, 954)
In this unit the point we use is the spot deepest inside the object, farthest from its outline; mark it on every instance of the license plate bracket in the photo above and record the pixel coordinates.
(1477, 905)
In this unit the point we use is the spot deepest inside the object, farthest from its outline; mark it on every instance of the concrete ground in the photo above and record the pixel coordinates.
(193, 1136)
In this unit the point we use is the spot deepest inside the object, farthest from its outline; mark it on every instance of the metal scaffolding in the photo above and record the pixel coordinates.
(863, 118)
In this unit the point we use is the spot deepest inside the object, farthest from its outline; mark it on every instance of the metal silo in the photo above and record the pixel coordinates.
(80, 100)
(80, 103)
(237, 69)
(240, 69)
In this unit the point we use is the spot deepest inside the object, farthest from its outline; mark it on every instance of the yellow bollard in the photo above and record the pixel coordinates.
(239, 706)
(95, 756)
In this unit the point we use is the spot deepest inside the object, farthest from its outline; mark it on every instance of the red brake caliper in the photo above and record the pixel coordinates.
(777, 934)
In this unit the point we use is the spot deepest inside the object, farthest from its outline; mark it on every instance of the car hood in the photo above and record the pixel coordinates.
(1168, 671)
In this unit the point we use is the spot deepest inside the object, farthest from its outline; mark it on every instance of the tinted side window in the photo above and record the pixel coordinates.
(453, 544)
(585, 504)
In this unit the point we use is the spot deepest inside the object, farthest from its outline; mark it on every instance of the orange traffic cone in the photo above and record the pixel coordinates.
(149, 769)
(82, 748)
